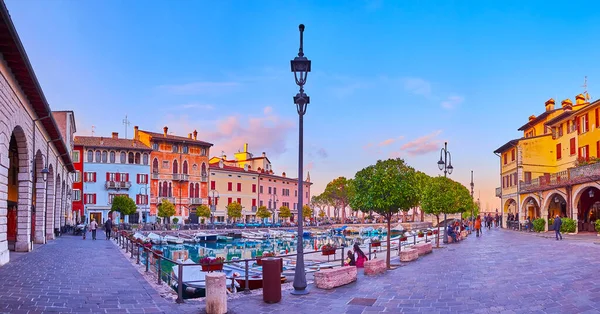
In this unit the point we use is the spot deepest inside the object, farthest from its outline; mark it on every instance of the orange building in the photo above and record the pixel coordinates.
(179, 170)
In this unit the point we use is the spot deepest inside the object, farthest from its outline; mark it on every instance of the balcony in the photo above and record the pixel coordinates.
(204, 178)
(160, 199)
(498, 192)
(195, 201)
(254, 209)
(117, 185)
(575, 175)
(155, 175)
(181, 177)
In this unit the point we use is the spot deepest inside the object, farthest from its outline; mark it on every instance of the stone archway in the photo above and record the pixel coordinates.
(63, 206)
(587, 201)
(530, 208)
(38, 201)
(510, 206)
(19, 199)
(50, 187)
(555, 204)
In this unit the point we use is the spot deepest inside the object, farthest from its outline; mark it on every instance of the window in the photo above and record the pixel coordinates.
(104, 156)
(239, 187)
(141, 199)
(89, 198)
(131, 158)
(146, 159)
(77, 195)
(558, 151)
(112, 157)
(569, 127)
(253, 202)
(203, 151)
(165, 164)
(527, 177)
(260, 189)
(185, 167)
(98, 156)
(77, 176)
(239, 201)
(512, 155)
(306, 194)
(142, 178)
(598, 149)
(270, 191)
(170, 190)
(203, 173)
(175, 148)
(75, 156)
(572, 146)
(261, 203)
(90, 156)
(185, 149)
(229, 186)
(584, 152)
(274, 190)
(585, 123)
(89, 177)
(155, 146)
(253, 188)
(175, 166)
(155, 166)
(197, 194)
(505, 158)
(122, 157)
(295, 193)
(212, 185)
(560, 130)
(229, 200)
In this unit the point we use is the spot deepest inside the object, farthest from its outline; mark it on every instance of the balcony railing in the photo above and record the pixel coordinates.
(254, 209)
(204, 178)
(570, 176)
(118, 185)
(181, 177)
(498, 192)
(195, 201)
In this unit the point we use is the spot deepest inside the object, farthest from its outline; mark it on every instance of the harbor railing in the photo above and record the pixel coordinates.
(143, 253)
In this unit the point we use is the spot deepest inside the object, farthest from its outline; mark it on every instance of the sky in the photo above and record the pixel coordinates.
(389, 78)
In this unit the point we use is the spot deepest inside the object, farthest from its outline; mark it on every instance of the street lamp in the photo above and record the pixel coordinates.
(213, 207)
(300, 66)
(445, 164)
(472, 199)
(274, 201)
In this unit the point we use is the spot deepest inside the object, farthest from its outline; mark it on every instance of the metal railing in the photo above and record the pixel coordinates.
(117, 184)
(181, 177)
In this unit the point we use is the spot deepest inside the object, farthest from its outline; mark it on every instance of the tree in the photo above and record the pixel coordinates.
(307, 212)
(263, 212)
(385, 188)
(422, 184)
(124, 205)
(234, 210)
(467, 214)
(203, 211)
(285, 212)
(322, 213)
(339, 191)
(440, 197)
(166, 209)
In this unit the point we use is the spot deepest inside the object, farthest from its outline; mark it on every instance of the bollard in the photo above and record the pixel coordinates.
(216, 293)
(179, 283)
(415, 238)
(247, 288)
(147, 259)
(138, 254)
(132, 244)
(369, 250)
(343, 256)
(159, 270)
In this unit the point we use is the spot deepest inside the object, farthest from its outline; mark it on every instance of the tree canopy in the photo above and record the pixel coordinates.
(307, 212)
(166, 209)
(234, 210)
(321, 213)
(123, 204)
(285, 212)
(339, 191)
(203, 211)
(262, 212)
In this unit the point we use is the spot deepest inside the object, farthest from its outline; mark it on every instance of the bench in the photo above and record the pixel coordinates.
(375, 267)
(335, 277)
(423, 248)
(463, 234)
(409, 255)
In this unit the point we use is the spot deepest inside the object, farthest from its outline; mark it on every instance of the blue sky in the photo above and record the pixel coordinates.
(390, 78)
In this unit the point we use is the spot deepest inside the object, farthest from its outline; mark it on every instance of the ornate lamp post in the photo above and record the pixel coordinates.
(300, 66)
(445, 164)
(472, 199)
(214, 195)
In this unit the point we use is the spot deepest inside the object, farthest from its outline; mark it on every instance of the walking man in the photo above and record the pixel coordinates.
(93, 227)
(108, 228)
(478, 226)
(557, 224)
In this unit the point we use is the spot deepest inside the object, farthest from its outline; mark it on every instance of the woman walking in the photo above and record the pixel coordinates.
(478, 226)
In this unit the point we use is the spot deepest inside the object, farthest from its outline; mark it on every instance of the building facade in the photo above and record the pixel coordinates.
(35, 152)
(112, 166)
(552, 169)
(179, 170)
(258, 185)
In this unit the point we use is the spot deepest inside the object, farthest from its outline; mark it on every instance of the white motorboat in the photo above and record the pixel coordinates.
(253, 235)
(173, 240)
(205, 237)
(155, 238)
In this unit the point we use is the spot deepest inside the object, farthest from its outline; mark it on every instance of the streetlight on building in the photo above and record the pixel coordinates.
(445, 164)
(300, 66)
(214, 197)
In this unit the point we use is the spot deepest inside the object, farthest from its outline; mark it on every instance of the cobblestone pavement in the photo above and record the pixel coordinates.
(501, 272)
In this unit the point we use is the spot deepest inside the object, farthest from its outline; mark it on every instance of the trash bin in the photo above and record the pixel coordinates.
(271, 273)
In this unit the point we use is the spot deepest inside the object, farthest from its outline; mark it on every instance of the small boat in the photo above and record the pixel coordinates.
(205, 237)
(187, 238)
(340, 230)
(397, 230)
(255, 280)
(155, 238)
(253, 235)
(173, 240)
(235, 235)
(224, 239)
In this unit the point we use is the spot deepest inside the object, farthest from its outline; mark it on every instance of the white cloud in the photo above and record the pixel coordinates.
(417, 86)
(452, 101)
(200, 88)
(423, 145)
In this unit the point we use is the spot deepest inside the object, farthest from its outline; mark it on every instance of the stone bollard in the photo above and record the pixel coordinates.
(216, 293)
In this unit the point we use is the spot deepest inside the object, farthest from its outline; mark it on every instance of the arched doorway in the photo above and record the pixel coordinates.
(557, 205)
(588, 209)
(19, 163)
(531, 208)
(50, 203)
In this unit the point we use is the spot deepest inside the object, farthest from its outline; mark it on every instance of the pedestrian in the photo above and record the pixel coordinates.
(84, 229)
(108, 228)
(359, 256)
(557, 224)
(478, 226)
(93, 227)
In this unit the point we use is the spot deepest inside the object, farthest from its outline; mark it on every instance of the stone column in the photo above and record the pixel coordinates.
(40, 210)
(23, 243)
(57, 205)
(3, 206)
(63, 207)
(50, 205)
(216, 293)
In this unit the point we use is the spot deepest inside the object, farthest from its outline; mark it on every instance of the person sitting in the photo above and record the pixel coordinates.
(452, 233)
(350, 261)
(359, 256)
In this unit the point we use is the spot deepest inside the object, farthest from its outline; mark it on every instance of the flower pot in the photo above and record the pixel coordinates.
(156, 253)
(435, 232)
(212, 267)
(429, 233)
(375, 244)
(403, 238)
(328, 252)
(420, 235)
(259, 261)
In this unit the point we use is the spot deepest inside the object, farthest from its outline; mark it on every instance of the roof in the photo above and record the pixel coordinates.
(16, 58)
(175, 138)
(109, 142)
(560, 117)
(215, 166)
(506, 146)
(536, 120)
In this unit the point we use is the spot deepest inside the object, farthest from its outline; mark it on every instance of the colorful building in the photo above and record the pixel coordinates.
(179, 170)
(107, 167)
(258, 184)
(552, 169)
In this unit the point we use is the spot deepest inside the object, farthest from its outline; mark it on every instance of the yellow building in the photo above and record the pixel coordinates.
(552, 169)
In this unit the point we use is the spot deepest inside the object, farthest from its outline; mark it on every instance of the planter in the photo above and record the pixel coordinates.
(329, 252)
(212, 267)
(403, 238)
(156, 253)
(435, 232)
(259, 261)
(376, 244)
(420, 235)
(429, 233)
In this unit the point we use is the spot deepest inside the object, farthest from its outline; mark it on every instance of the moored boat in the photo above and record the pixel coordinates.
(205, 237)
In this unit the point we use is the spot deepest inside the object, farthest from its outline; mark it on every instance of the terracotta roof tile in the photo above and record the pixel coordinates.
(170, 137)
(109, 142)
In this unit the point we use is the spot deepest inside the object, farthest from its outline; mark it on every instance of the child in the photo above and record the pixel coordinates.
(350, 260)
(359, 256)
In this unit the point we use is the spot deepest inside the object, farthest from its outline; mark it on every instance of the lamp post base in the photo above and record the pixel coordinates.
(299, 291)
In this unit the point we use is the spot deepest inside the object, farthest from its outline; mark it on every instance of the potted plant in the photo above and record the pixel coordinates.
(435, 231)
(403, 237)
(429, 232)
(376, 243)
(211, 263)
(156, 253)
(328, 249)
(266, 254)
(597, 225)
(420, 234)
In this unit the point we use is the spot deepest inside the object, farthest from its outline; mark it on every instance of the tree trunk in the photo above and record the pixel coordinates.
(422, 215)
(438, 234)
(389, 228)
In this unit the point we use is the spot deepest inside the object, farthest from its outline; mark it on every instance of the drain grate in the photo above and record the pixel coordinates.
(362, 301)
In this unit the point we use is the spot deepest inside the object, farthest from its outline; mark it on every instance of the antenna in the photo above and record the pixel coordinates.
(127, 124)
(585, 93)
(93, 129)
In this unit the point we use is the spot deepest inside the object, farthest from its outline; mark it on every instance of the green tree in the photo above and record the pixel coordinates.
(234, 210)
(166, 209)
(467, 214)
(422, 184)
(307, 212)
(263, 212)
(339, 192)
(322, 213)
(285, 212)
(124, 205)
(203, 211)
(441, 196)
(385, 188)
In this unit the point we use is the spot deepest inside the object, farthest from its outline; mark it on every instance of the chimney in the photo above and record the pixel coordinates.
(567, 104)
(531, 117)
(195, 135)
(221, 163)
(579, 100)
(245, 167)
(190, 136)
(165, 130)
(246, 148)
(101, 140)
(135, 132)
(224, 157)
(264, 154)
(283, 174)
(115, 135)
(550, 104)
